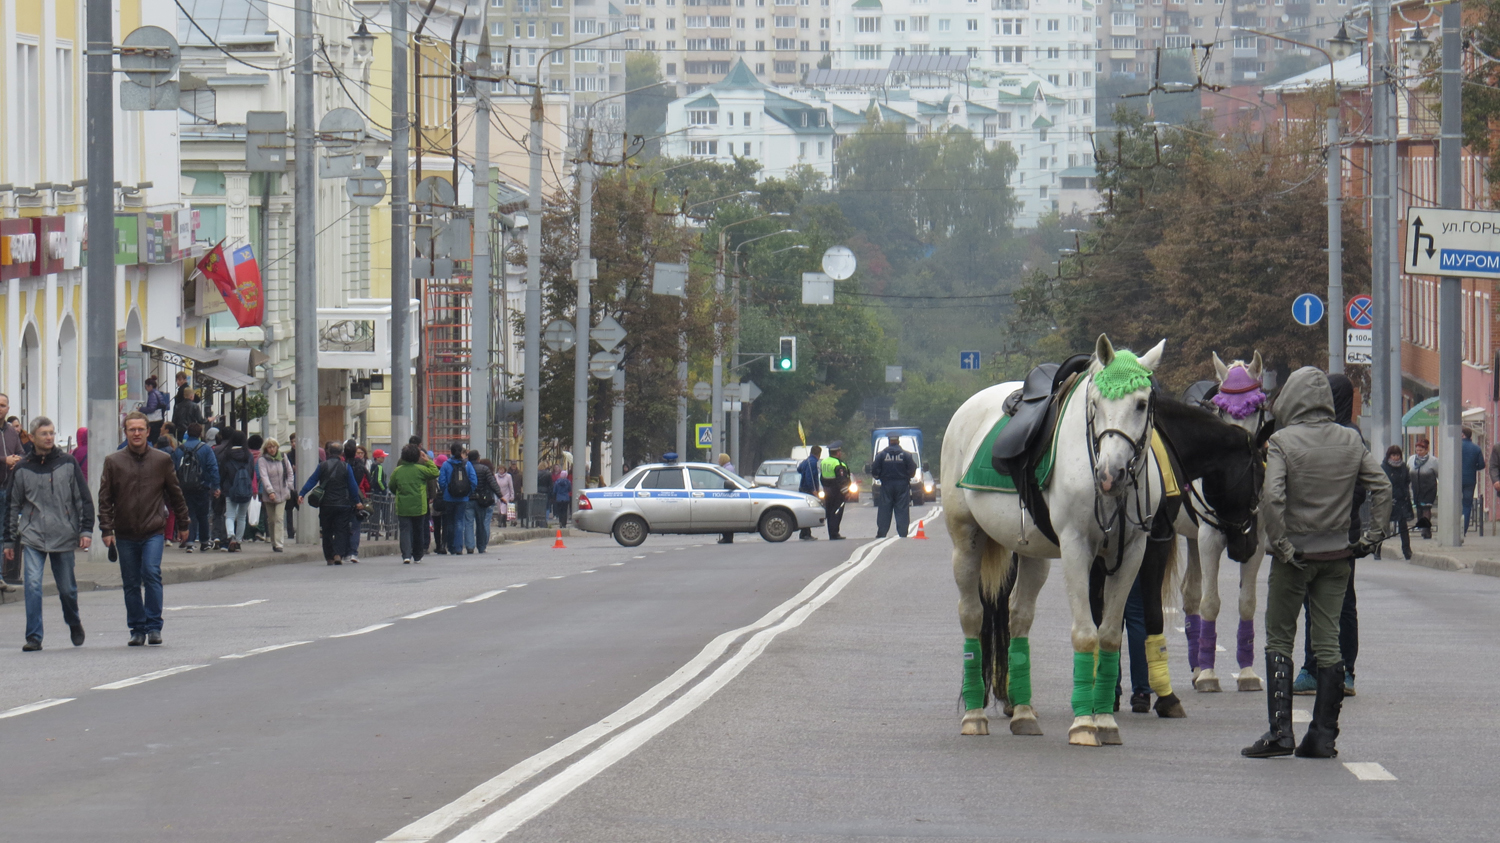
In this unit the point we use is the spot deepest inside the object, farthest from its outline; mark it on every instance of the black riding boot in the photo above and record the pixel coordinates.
(1279, 740)
(1324, 730)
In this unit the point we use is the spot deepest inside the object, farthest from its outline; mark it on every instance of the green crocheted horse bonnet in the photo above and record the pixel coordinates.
(1122, 376)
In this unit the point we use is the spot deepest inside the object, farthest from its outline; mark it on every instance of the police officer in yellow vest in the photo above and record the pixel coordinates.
(835, 476)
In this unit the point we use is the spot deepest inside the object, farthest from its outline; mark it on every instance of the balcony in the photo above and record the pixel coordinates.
(1010, 5)
(1246, 53)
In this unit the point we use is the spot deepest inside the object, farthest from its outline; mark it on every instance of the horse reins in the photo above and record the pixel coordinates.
(1139, 447)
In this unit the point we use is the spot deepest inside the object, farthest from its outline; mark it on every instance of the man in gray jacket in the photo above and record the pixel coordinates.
(49, 515)
(1312, 466)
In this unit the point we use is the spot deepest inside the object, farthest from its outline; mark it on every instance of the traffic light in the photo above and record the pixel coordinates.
(785, 359)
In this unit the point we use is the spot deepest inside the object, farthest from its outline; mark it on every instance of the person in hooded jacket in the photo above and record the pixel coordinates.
(1424, 486)
(81, 450)
(1312, 467)
(1400, 476)
(236, 488)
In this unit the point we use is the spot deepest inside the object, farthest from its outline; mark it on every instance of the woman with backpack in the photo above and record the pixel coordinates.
(332, 490)
(155, 408)
(238, 483)
(278, 484)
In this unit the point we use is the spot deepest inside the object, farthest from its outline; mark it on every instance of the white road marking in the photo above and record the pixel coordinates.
(1301, 716)
(425, 612)
(36, 706)
(1369, 771)
(257, 651)
(589, 572)
(435, 823)
(218, 606)
(517, 585)
(658, 551)
(147, 677)
(554, 578)
(485, 596)
(515, 814)
(371, 628)
(617, 564)
(637, 557)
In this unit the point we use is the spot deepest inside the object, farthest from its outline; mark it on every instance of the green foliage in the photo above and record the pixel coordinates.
(1481, 94)
(256, 405)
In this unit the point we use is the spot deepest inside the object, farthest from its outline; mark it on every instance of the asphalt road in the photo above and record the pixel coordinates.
(612, 706)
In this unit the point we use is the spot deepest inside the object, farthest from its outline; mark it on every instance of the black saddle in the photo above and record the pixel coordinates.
(1021, 445)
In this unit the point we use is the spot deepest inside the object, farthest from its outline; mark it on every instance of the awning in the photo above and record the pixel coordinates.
(226, 378)
(1425, 414)
(180, 353)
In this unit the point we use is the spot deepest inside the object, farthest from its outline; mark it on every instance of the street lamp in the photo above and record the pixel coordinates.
(1418, 45)
(717, 410)
(363, 41)
(1341, 45)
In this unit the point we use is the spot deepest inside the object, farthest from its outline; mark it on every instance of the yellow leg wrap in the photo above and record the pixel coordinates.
(1156, 664)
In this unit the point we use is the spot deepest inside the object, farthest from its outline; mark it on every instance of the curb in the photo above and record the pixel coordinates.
(1440, 562)
(1487, 567)
(231, 564)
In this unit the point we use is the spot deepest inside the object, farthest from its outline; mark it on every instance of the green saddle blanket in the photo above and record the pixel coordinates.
(981, 475)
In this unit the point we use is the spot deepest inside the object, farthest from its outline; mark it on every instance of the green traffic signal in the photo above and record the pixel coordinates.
(785, 359)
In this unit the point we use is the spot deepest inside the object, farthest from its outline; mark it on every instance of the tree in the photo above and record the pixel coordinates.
(646, 111)
(1178, 107)
(1481, 94)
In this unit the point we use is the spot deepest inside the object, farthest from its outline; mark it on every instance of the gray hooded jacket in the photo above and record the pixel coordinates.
(1312, 466)
(50, 505)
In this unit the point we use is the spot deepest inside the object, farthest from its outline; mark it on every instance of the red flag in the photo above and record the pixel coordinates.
(248, 291)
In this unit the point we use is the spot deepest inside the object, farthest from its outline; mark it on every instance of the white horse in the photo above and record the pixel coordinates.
(1240, 402)
(1103, 491)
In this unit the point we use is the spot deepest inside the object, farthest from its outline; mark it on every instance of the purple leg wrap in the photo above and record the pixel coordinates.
(1191, 626)
(1208, 644)
(1246, 649)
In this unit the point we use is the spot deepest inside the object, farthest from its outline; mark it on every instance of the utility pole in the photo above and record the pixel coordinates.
(1392, 313)
(531, 378)
(682, 394)
(1335, 240)
(716, 411)
(583, 273)
(1450, 305)
(400, 239)
(101, 384)
(481, 337)
(1380, 229)
(304, 251)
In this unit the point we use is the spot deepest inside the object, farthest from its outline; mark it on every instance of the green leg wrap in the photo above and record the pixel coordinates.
(1018, 685)
(1105, 680)
(1083, 684)
(973, 690)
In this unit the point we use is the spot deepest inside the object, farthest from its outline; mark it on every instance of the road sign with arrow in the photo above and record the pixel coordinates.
(1458, 243)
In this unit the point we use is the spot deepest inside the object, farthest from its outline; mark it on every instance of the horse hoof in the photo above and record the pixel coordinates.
(1009, 709)
(975, 723)
(1107, 730)
(1170, 706)
(1207, 682)
(1024, 721)
(1248, 680)
(1083, 732)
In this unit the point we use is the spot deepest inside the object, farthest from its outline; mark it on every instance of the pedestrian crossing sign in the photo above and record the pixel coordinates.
(705, 435)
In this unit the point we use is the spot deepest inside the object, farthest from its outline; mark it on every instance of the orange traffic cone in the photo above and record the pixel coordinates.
(559, 543)
(921, 533)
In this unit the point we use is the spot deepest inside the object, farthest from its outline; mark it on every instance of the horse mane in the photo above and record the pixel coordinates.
(1195, 434)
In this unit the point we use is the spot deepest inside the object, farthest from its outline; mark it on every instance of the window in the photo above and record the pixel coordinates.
(697, 43)
(785, 21)
(531, 29)
(1003, 120)
(739, 23)
(821, 146)
(497, 30)
(760, 67)
(867, 52)
(719, 22)
(718, 44)
(585, 27)
(823, 23)
(559, 29)
(1123, 19)
(1011, 54)
(860, 24)
(944, 25)
(697, 21)
(703, 147)
(746, 147)
(1052, 25)
(786, 67)
(919, 24)
(1009, 26)
(760, 23)
(1042, 135)
(1054, 53)
(786, 44)
(802, 149)
(703, 118)
(663, 478)
(671, 68)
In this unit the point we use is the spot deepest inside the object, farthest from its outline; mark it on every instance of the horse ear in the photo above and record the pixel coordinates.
(1220, 368)
(1256, 366)
(1264, 435)
(1104, 351)
(1152, 358)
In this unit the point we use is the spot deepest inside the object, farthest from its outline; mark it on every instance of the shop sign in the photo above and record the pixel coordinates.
(18, 248)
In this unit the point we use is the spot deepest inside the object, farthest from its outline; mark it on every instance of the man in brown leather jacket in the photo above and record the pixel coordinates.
(138, 484)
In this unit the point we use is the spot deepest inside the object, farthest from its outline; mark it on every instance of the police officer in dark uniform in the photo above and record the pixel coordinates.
(834, 473)
(894, 468)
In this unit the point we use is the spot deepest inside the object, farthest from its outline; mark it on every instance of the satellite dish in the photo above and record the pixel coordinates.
(839, 262)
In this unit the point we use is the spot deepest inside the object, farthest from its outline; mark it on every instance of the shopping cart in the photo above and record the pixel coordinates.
(382, 521)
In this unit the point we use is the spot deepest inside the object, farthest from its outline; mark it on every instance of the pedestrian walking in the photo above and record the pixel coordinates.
(185, 411)
(49, 514)
(833, 472)
(486, 493)
(81, 449)
(1471, 463)
(436, 510)
(237, 481)
(219, 441)
(11, 454)
(562, 498)
(1424, 486)
(332, 490)
(137, 491)
(809, 483)
(409, 484)
(506, 482)
(277, 481)
(1400, 476)
(198, 477)
(1312, 467)
(353, 454)
(458, 480)
(894, 468)
(544, 477)
(380, 479)
(156, 408)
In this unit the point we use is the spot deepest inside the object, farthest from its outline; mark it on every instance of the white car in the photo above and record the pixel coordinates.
(770, 471)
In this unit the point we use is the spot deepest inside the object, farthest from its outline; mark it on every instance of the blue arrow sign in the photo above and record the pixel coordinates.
(705, 435)
(968, 360)
(1307, 309)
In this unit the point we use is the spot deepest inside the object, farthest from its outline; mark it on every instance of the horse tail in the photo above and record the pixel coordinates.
(996, 579)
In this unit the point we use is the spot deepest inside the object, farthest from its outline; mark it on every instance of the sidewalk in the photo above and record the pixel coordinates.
(178, 566)
(1478, 555)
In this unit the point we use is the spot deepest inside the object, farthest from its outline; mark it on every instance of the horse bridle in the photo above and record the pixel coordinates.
(1139, 447)
(1203, 509)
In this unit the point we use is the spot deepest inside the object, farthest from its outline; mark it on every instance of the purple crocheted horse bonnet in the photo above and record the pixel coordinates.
(1240, 394)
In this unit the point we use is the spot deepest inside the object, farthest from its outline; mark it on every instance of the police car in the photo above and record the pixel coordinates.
(693, 498)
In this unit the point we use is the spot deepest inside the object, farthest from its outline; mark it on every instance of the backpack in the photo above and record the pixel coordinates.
(458, 482)
(190, 469)
(485, 495)
(239, 487)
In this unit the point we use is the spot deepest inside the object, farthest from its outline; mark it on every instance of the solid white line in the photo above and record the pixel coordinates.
(425, 612)
(517, 585)
(548, 793)
(371, 628)
(1369, 771)
(589, 572)
(554, 578)
(147, 677)
(485, 596)
(616, 564)
(257, 651)
(435, 823)
(637, 557)
(219, 606)
(36, 706)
